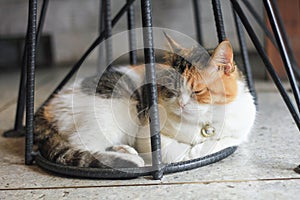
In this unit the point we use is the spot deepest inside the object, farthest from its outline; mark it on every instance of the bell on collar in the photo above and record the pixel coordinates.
(207, 130)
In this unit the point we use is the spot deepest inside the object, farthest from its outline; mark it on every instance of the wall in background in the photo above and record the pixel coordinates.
(73, 24)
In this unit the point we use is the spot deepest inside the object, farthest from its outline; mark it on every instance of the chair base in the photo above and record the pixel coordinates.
(297, 169)
(130, 173)
(15, 133)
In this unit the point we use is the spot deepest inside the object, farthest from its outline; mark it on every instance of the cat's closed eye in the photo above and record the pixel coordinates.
(171, 93)
(199, 92)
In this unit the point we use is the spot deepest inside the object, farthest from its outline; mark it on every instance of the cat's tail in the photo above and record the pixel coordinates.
(63, 153)
(55, 148)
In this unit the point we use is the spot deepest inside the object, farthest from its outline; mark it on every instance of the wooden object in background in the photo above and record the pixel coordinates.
(290, 13)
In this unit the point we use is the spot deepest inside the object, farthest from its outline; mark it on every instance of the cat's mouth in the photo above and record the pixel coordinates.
(190, 110)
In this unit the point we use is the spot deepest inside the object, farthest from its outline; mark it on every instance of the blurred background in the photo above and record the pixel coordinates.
(72, 25)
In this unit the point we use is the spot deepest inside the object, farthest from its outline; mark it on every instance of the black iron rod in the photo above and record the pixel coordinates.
(219, 20)
(22, 87)
(100, 29)
(151, 89)
(245, 55)
(132, 35)
(32, 20)
(88, 51)
(267, 62)
(283, 51)
(42, 19)
(196, 6)
(108, 30)
(22, 90)
(285, 38)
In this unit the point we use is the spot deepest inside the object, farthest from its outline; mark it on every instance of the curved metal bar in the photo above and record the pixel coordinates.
(199, 162)
(124, 173)
(31, 49)
(283, 51)
(128, 173)
(149, 57)
(267, 62)
(219, 20)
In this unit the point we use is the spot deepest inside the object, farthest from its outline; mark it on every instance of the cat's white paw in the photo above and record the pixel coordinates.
(123, 149)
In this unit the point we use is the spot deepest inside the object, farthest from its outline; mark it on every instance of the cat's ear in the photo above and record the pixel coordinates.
(222, 58)
(174, 46)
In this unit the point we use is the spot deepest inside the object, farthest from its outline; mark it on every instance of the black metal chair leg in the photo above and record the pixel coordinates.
(31, 52)
(267, 62)
(286, 42)
(108, 30)
(151, 89)
(132, 35)
(245, 56)
(216, 4)
(196, 6)
(297, 169)
(283, 51)
(100, 29)
(19, 130)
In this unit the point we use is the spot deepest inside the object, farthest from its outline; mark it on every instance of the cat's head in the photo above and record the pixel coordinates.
(197, 78)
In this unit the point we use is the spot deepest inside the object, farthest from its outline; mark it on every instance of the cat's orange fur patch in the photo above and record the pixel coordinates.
(222, 90)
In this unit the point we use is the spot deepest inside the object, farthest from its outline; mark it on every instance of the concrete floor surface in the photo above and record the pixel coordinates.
(259, 169)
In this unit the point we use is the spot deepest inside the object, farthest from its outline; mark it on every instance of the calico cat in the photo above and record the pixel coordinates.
(206, 109)
(204, 106)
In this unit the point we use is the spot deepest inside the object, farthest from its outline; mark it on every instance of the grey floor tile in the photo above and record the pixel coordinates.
(289, 189)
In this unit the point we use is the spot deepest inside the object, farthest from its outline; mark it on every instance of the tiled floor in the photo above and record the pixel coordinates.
(260, 169)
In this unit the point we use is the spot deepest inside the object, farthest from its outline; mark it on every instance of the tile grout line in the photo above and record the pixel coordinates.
(152, 184)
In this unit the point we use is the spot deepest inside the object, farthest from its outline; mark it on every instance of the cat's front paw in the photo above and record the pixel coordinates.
(123, 149)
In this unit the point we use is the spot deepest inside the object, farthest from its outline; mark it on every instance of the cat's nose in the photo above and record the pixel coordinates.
(181, 104)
